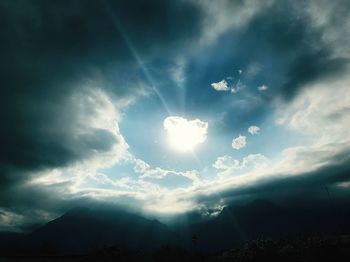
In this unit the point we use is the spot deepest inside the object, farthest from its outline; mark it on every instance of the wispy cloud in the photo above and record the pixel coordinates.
(262, 88)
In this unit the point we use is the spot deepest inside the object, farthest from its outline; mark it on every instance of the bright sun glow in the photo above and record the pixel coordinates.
(184, 135)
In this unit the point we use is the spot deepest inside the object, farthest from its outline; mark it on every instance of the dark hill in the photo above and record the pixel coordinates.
(82, 230)
(264, 219)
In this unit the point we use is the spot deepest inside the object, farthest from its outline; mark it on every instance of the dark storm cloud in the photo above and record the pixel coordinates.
(289, 50)
(53, 53)
(50, 48)
(308, 188)
(287, 31)
(34, 205)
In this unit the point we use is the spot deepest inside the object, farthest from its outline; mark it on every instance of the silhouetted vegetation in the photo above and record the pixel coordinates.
(234, 235)
(297, 250)
(307, 249)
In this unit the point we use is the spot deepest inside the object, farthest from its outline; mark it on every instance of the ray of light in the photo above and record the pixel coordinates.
(135, 54)
(144, 69)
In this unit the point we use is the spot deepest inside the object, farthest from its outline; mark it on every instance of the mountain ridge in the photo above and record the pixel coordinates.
(81, 230)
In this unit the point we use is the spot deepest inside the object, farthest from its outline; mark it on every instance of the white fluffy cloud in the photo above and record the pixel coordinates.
(185, 134)
(255, 161)
(146, 171)
(226, 162)
(239, 142)
(254, 130)
(221, 86)
(229, 166)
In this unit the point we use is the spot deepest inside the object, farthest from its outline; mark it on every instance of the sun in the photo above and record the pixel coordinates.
(184, 135)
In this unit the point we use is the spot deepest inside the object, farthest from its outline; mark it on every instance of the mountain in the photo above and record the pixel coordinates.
(264, 219)
(82, 230)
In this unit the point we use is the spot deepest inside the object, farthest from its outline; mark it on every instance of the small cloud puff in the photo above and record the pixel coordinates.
(221, 86)
(239, 142)
(263, 88)
(253, 130)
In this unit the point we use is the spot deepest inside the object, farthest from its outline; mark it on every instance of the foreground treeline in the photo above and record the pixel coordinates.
(82, 231)
(299, 249)
(296, 249)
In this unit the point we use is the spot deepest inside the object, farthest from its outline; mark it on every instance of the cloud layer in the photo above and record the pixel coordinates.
(89, 89)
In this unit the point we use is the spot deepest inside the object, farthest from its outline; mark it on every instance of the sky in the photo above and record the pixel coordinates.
(167, 107)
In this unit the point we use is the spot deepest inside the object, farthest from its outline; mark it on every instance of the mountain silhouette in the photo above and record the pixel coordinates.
(83, 230)
(263, 219)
